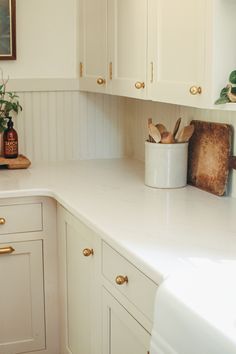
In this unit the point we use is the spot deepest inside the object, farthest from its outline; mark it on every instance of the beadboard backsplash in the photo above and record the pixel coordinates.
(66, 125)
(138, 111)
(57, 126)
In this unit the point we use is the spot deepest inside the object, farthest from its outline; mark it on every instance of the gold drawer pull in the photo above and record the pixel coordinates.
(6, 250)
(101, 81)
(194, 90)
(88, 252)
(120, 279)
(2, 221)
(139, 85)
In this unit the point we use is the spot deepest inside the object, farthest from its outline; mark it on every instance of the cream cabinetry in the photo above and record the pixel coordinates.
(93, 45)
(121, 332)
(79, 255)
(190, 52)
(127, 46)
(28, 276)
(128, 305)
(176, 52)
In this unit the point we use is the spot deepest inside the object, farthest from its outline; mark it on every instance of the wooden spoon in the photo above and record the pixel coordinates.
(185, 134)
(176, 127)
(161, 128)
(153, 131)
(167, 138)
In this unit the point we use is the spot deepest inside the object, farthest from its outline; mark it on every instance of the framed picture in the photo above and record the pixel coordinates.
(7, 29)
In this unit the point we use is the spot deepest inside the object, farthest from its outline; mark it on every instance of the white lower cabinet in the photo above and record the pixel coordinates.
(79, 286)
(121, 332)
(106, 303)
(28, 276)
(22, 325)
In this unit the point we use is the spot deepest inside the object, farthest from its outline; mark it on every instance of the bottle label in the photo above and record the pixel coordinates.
(11, 147)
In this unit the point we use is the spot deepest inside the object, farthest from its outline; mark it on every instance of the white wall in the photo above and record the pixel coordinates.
(46, 40)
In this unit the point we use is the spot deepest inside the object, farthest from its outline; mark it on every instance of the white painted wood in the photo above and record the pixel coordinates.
(138, 288)
(127, 46)
(177, 49)
(15, 216)
(79, 287)
(121, 332)
(23, 210)
(93, 44)
(59, 126)
(22, 327)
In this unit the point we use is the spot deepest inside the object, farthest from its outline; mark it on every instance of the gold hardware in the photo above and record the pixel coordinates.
(139, 85)
(6, 250)
(110, 70)
(194, 90)
(101, 81)
(151, 80)
(2, 221)
(88, 252)
(120, 279)
(81, 69)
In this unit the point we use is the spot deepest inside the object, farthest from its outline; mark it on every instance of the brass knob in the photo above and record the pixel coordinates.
(101, 81)
(6, 250)
(139, 85)
(2, 221)
(120, 279)
(88, 252)
(194, 90)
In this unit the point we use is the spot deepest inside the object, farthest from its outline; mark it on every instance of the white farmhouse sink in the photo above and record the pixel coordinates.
(195, 312)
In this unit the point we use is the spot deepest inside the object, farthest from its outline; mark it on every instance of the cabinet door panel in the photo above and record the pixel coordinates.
(127, 23)
(121, 332)
(22, 299)
(93, 44)
(80, 311)
(177, 33)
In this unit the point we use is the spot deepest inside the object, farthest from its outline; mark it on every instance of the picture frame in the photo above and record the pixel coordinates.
(7, 29)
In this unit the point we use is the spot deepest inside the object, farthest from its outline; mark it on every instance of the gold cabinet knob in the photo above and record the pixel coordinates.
(2, 221)
(6, 250)
(194, 90)
(139, 85)
(120, 279)
(101, 81)
(88, 252)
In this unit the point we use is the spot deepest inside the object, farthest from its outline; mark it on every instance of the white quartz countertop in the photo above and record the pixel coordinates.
(160, 231)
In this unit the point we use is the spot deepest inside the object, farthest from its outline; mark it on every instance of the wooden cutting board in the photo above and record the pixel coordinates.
(19, 162)
(210, 157)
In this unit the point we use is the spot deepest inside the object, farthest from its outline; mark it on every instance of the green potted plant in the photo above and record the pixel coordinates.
(228, 93)
(9, 103)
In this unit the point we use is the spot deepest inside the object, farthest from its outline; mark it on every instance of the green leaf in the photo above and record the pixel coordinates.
(222, 100)
(224, 92)
(232, 77)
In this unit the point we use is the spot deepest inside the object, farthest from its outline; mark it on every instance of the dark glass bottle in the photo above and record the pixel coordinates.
(10, 141)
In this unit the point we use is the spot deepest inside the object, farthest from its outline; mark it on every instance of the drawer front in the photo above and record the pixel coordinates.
(18, 218)
(139, 289)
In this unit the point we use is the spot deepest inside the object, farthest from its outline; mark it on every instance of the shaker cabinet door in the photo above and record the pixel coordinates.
(121, 332)
(93, 45)
(80, 298)
(127, 46)
(177, 51)
(22, 327)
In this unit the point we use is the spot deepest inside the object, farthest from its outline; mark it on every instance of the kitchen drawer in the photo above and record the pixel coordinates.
(18, 218)
(139, 289)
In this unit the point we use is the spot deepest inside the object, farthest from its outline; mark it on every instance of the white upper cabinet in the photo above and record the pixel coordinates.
(177, 31)
(127, 47)
(93, 45)
(178, 51)
(190, 51)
